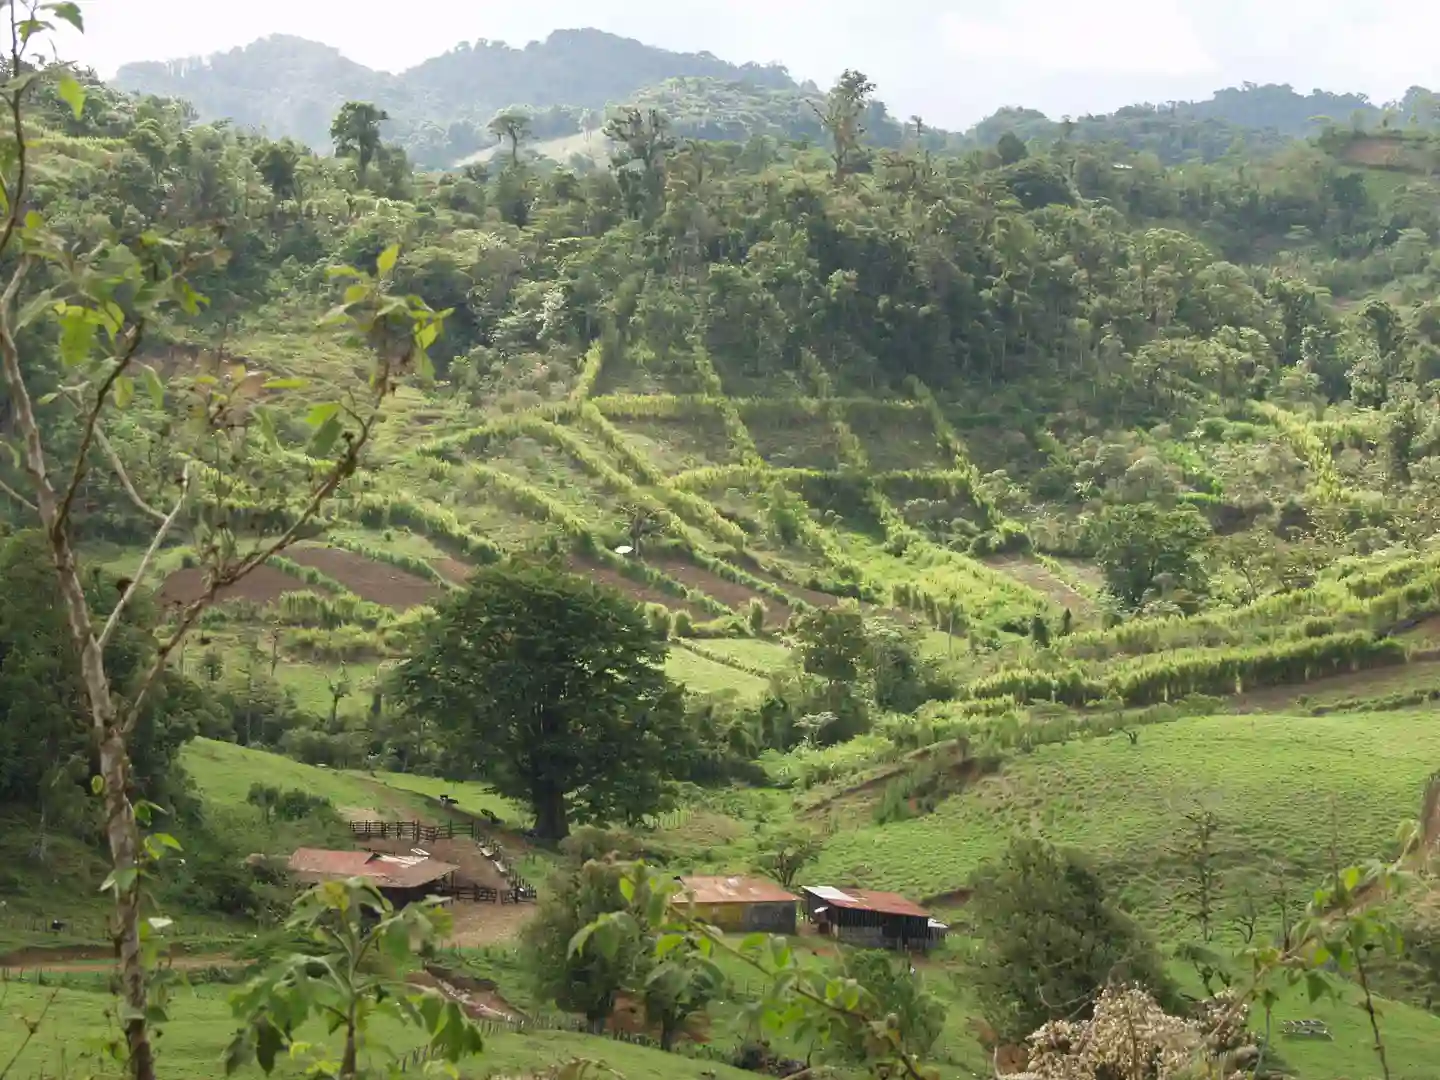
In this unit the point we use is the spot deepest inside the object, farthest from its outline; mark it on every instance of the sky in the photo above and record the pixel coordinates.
(950, 61)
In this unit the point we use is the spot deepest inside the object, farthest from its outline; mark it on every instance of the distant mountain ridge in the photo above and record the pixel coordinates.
(287, 85)
(439, 109)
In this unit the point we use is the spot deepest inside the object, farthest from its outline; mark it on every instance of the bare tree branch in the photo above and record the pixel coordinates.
(6, 489)
(166, 525)
(124, 477)
(91, 420)
(343, 468)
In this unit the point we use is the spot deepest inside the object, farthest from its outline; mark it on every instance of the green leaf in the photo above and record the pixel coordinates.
(124, 391)
(333, 272)
(97, 783)
(427, 367)
(322, 412)
(1316, 985)
(153, 386)
(120, 881)
(286, 384)
(324, 439)
(355, 293)
(267, 426)
(72, 93)
(386, 262)
(70, 12)
(77, 335)
(627, 888)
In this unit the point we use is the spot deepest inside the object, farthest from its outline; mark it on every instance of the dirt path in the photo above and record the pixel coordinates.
(1373, 682)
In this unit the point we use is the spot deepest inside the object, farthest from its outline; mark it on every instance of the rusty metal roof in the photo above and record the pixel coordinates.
(886, 903)
(385, 871)
(734, 890)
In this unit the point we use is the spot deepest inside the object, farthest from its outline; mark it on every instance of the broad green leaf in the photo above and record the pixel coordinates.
(286, 384)
(343, 271)
(120, 880)
(72, 93)
(267, 426)
(124, 391)
(322, 412)
(153, 386)
(386, 262)
(77, 335)
(70, 12)
(324, 439)
(97, 783)
(355, 293)
(427, 366)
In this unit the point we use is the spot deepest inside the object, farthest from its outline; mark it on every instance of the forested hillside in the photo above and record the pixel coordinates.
(1039, 525)
(438, 111)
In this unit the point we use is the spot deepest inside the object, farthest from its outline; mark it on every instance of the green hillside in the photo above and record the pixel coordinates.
(888, 499)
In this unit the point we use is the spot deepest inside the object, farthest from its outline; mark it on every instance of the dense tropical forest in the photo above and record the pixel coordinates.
(630, 471)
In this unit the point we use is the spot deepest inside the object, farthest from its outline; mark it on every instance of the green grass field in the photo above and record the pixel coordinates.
(708, 677)
(1276, 782)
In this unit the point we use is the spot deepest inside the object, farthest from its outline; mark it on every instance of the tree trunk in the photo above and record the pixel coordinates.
(105, 725)
(552, 822)
(668, 1030)
(124, 836)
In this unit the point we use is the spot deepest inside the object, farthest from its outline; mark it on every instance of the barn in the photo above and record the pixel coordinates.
(740, 904)
(401, 879)
(870, 919)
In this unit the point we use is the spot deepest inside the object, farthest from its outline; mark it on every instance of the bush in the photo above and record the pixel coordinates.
(1049, 941)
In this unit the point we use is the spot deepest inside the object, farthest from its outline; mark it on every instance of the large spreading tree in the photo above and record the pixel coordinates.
(551, 688)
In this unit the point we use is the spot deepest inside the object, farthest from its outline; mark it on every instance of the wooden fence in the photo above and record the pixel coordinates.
(519, 890)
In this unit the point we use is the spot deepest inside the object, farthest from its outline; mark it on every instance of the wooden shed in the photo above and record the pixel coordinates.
(871, 919)
(401, 879)
(740, 904)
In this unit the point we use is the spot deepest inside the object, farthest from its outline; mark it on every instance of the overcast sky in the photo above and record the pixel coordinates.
(952, 61)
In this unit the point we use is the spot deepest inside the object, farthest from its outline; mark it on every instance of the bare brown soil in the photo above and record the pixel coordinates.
(813, 597)
(263, 585)
(1040, 578)
(453, 569)
(732, 594)
(378, 582)
(475, 868)
(480, 998)
(96, 958)
(1374, 682)
(636, 590)
(1375, 152)
(475, 925)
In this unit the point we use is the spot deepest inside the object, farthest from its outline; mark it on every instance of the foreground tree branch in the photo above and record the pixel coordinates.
(103, 301)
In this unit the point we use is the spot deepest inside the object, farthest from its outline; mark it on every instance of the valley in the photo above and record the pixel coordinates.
(1041, 524)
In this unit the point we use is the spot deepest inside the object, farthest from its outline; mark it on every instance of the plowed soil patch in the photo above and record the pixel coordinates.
(1043, 580)
(813, 597)
(732, 594)
(380, 583)
(263, 585)
(453, 569)
(1375, 682)
(636, 590)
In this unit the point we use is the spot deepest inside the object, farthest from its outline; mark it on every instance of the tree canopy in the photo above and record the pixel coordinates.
(550, 687)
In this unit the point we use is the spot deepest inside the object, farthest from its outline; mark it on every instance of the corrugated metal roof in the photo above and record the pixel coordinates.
(887, 903)
(386, 871)
(734, 890)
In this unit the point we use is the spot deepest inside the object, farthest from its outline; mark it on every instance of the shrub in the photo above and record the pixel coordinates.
(1050, 941)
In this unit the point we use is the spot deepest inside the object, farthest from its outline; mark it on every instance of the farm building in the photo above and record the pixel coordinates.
(741, 904)
(876, 920)
(401, 879)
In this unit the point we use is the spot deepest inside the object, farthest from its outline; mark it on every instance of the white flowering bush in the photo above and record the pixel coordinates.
(1130, 1037)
